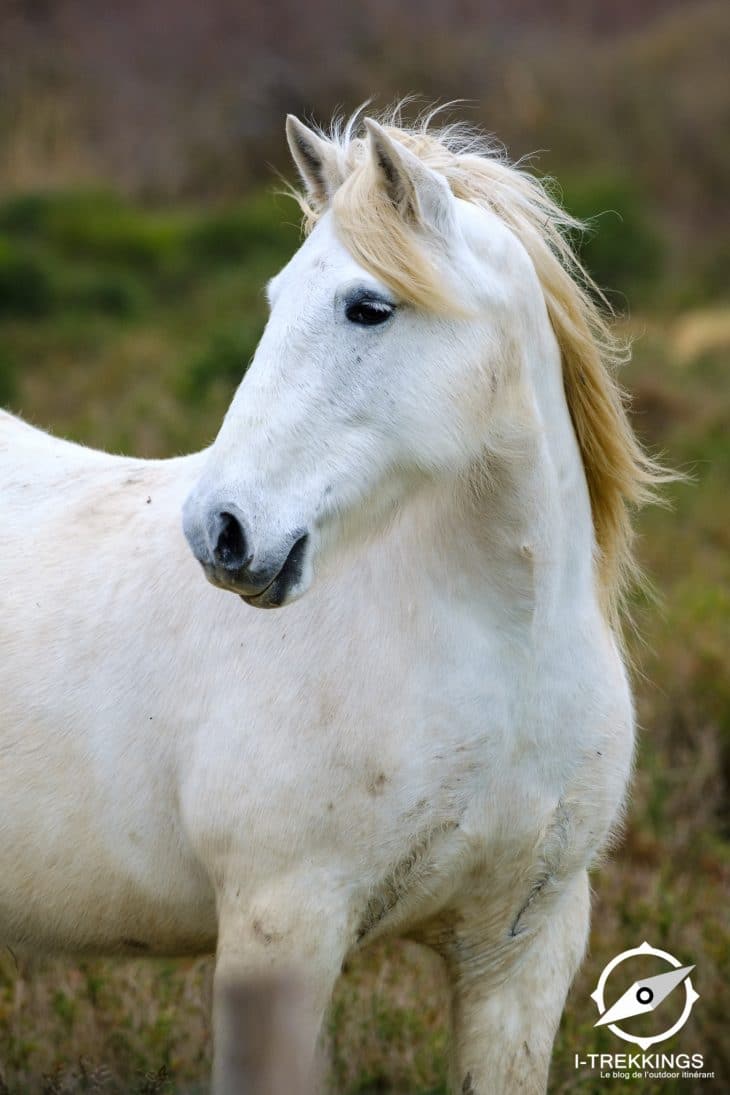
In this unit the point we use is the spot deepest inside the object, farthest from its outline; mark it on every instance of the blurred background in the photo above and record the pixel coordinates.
(138, 224)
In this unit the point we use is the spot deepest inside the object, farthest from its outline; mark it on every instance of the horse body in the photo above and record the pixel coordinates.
(434, 741)
(93, 851)
(152, 728)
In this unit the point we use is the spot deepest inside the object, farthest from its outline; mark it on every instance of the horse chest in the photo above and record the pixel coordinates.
(483, 793)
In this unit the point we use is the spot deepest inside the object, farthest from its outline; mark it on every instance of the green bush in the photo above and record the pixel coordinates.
(97, 226)
(109, 292)
(22, 213)
(35, 215)
(233, 234)
(123, 236)
(26, 283)
(223, 360)
(622, 248)
(34, 285)
(64, 235)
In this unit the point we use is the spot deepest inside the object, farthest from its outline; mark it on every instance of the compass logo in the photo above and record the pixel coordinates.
(645, 995)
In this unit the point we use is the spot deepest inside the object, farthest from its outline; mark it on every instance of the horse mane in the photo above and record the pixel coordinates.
(620, 475)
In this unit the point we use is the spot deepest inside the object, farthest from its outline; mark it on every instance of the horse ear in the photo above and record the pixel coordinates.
(421, 196)
(315, 158)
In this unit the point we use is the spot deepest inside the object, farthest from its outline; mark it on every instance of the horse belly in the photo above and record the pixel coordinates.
(64, 891)
(92, 856)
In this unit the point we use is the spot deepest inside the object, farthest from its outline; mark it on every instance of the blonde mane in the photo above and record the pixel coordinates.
(619, 473)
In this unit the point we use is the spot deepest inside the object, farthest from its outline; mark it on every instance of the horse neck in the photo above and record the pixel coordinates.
(513, 540)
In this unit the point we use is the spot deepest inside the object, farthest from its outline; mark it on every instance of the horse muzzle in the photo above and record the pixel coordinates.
(225, 548)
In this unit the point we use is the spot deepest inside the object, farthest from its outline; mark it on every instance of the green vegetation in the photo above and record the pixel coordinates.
(622, 246)
(118, 312)
(129, 328)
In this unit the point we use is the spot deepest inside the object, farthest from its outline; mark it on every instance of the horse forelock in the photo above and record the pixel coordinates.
(619, 473)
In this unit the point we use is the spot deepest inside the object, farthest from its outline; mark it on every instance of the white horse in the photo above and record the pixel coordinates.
(427, 455)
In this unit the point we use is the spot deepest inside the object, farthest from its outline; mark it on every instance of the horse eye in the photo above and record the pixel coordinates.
(369, 313)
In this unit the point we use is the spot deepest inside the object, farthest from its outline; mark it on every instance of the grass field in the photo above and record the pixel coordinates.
(128, 328)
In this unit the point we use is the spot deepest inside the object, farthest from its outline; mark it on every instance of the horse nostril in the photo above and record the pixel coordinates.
(231, 549)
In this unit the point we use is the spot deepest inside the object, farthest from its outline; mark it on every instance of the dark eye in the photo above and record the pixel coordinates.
(369, 312)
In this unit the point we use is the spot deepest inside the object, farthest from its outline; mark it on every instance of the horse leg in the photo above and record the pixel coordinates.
(503, 1032)
(276, 966)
